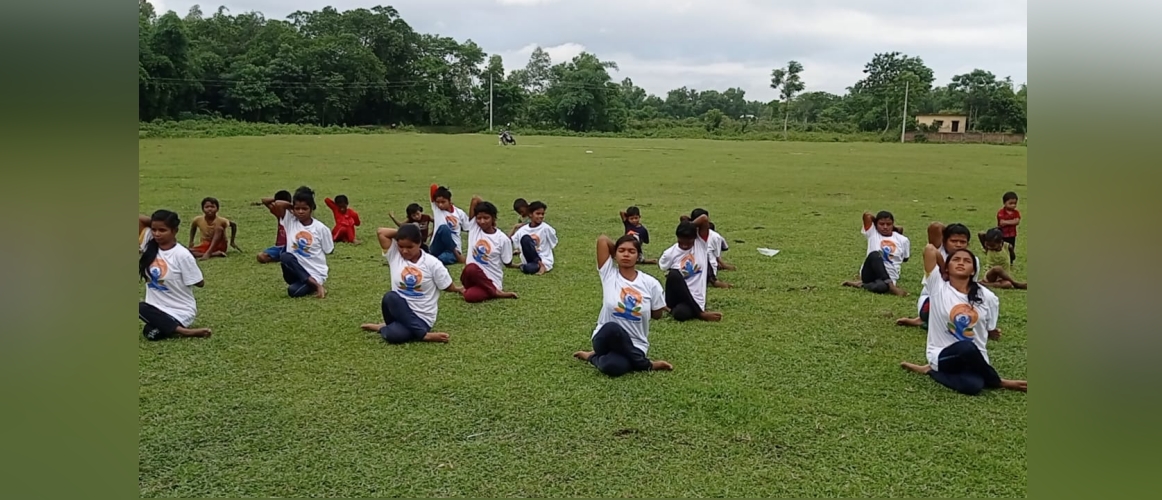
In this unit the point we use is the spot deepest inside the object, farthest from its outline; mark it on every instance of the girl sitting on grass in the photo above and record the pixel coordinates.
(630, 298)
(685, 264)
(997, 254)
(304, 263)
(489, 252)
(961, 313)
(411, 306)
(171, 272)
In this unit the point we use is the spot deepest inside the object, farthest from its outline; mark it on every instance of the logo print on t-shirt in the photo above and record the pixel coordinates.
(452, 222)
(961, 319)
(689, 266)
(409, 282)
(630, 305)
(157, 272)
(887, 247)
(481, 250)
(302, 243)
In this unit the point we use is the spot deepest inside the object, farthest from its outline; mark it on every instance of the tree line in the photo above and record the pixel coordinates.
(369, 67)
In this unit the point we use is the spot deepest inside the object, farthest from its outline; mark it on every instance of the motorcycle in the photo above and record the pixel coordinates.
(506, 139)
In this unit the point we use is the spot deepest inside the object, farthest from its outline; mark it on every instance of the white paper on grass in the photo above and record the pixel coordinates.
(769, 252)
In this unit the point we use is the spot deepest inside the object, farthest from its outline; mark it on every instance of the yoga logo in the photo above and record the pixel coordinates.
(689, 266)
(409, 283)
(961, 319)
(887, 247)
(630, 305)
(452, 222)
(157, 272)
(302, 243)
(481, 250)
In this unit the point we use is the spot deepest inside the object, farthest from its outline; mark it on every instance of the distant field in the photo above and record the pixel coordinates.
(797, 392)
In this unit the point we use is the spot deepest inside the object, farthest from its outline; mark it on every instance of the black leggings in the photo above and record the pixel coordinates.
(679, 299)
(874, 274)
(158, 325)
(964, 369)
(614, 353)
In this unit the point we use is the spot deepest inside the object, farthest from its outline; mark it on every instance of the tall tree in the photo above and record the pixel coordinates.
(882, 91)
(787, 82)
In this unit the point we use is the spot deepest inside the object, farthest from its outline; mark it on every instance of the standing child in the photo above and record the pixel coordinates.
(536, 241)
(1008, 218)
(631, 220)
(630, 299)
(415, 215)
(171, 273)
(304, 263)
(213, 229)
(450, 221)
(273, 253)
(410, 307)
(521, 207)
(346, 220)
(684, 263)
(886, 250)
(999, 265)
(483, 277)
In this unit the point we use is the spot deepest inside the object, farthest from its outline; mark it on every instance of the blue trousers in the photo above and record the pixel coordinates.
(296, 276)
(528, 248)
(614, 353)
(964, 369)
(400, 323)
(444, 245)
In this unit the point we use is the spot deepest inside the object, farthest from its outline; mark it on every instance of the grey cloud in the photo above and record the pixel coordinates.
(721, 43)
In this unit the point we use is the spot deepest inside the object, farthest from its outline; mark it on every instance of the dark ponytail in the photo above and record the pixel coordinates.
(973, 286)
(171, 220)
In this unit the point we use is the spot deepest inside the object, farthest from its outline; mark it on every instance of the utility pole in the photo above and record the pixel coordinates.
(904, 120)
(490, 101)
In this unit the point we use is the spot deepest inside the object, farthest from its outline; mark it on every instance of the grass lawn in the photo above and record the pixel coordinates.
(797, 392)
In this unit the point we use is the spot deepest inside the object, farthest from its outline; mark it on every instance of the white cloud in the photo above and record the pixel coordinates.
(525, 3)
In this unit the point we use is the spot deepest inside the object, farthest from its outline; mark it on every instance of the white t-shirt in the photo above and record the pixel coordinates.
(457, 221)
(716, 244)
(951, 318)
(489, 251)
(692, 263)
(629, 303)
(418, 282)
(310, 244)
(544, 236)
(924, 281)
(894, 248)
(170, 288)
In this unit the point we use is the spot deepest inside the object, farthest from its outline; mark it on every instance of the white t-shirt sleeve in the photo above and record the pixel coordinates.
(933, 279)
(191, 273)
(505, 249)
(440, 276)
(657, 295)
(607, 269)
(867, 233)
(666, 261)
(464, 219)
(994, 308)
(905, 248)
(326, 242)
(551, 236)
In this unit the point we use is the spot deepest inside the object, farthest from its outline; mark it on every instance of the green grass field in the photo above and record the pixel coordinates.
(797, 392)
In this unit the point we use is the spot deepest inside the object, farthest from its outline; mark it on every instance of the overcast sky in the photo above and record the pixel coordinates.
(713, 44)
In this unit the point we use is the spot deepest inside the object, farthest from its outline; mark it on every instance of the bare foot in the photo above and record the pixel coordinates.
(372, 327)
(1021, 286)
(922, 370)
(728, 267)
(542, 269)
(320, 292)
(995, 334)
(897, 291)
(583, 355)
(721, 284)
(711, 316)
(1015, 385)
(356, 242)
(436, 337)
(194, 332)
(910, 322)
(853, 284)
(506, 295)
(662, 366)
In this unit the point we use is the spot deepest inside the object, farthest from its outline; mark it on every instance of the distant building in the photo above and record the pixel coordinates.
(946, 122)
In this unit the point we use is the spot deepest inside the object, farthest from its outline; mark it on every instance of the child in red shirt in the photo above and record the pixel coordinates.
(346, 219)
(1008, 217)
